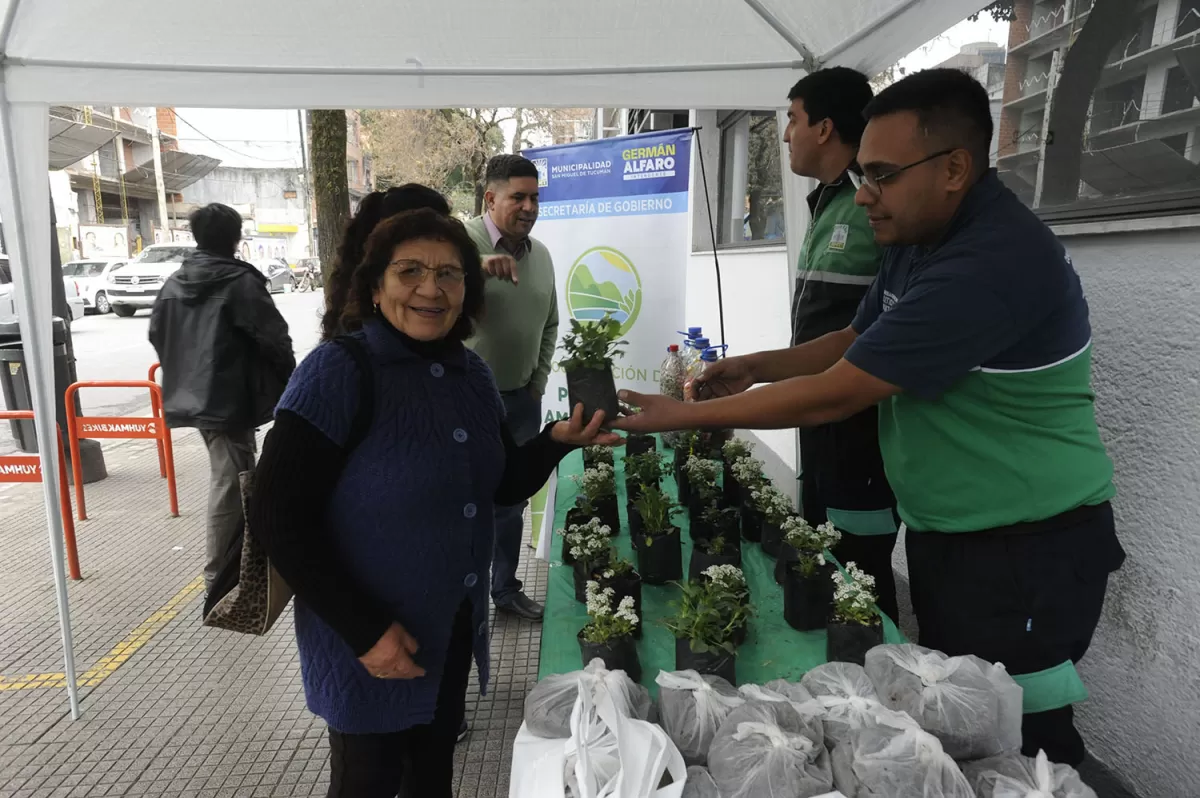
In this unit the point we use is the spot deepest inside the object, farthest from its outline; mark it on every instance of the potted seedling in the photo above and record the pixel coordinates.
(703, 490)
(717, 522)
(609, 632)
(855, 626)
(591, 347)
(730, 580)
(642, 471)
(748, 473)
(713, 551)
(625, 582)
(588, 545)
(639, 444)
(687, 443)
(598, 494)
(733, 450)
(807, 582)
(659, 550)
(594, 455)
(776, 507)
(705, 626)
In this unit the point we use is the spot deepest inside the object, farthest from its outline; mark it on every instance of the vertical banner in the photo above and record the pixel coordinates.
(614, 215)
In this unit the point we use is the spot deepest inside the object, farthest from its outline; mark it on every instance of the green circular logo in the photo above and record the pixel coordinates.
(601, 281)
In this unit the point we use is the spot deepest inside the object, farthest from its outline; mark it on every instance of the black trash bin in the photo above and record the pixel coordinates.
(14, 378)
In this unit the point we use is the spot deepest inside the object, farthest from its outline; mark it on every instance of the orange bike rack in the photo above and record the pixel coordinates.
(28, 468)
(156, 410)
(153, 428)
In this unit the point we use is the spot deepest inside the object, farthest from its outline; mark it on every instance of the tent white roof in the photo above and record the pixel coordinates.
(363, 53)
(382, 53)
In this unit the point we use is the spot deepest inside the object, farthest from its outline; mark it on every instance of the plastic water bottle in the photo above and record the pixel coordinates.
(709, 355)
(672, 373)
(694, 366)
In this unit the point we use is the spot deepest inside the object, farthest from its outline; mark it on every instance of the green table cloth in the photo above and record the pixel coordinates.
(773, 650)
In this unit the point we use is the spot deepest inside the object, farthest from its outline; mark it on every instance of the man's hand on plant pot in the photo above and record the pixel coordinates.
(501, 266)
(723, 378)
(574, 433)
(654, 413)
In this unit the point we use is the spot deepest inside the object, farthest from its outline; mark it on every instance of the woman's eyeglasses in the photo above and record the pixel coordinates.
(412, 274)
(874, 184)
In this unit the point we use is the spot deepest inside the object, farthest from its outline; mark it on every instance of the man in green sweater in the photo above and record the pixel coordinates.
(842, 476)
(516, 337)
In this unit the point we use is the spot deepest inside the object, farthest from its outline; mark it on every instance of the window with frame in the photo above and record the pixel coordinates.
(750, 196)
(1137, 152)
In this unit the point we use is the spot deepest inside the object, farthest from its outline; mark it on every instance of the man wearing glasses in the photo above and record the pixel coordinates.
(975, 343)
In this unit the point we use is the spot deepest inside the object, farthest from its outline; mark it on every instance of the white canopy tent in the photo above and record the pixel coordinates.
(372, 53)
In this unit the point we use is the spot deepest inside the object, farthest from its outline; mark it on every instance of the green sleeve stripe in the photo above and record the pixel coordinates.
(863, 522)
(1052, 688)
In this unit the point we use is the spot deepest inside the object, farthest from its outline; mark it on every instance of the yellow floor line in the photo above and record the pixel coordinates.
(119, 653)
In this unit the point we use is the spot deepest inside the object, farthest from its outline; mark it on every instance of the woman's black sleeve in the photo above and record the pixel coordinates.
(527, 467)
(294, 482)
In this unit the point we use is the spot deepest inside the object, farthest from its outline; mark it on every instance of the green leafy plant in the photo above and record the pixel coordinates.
(714, 545)
(645, 469)
(605, 623)
(707, 616)
(721, 518)
(702, 476)
(657, 511)
(592, 344)
(728, 579)
(810, 544)
(773, 503)
(854, 597)
(617, 566)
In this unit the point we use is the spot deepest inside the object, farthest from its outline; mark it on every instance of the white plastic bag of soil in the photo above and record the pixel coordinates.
(548, 705)
(848, 699)
(700, 784)
(1016, 776)
(890, 762)
(691, 708)
(767, 749)
(972, 706)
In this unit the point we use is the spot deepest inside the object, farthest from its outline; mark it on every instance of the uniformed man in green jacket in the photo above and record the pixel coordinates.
(842, 476)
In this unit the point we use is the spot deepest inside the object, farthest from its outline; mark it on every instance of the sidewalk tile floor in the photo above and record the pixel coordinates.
(193, 711)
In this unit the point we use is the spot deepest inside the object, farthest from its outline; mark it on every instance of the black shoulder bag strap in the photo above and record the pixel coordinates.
(365, 413)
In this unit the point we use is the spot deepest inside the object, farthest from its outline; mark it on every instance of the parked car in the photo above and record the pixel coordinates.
(136, 285)
(279, 275)
(92, 276)
(8, 305)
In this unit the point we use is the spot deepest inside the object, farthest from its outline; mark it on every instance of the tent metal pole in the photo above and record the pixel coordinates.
(24, 127)
(421, 72)
(854, 38)
(811, 62)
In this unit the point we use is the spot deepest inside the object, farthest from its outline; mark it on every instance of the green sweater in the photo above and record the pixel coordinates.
(519, 329)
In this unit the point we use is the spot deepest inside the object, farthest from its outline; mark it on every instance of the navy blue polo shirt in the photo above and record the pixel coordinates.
(987, 334)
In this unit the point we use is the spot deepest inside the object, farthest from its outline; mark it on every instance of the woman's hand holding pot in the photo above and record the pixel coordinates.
(574, 433)
(391, 656)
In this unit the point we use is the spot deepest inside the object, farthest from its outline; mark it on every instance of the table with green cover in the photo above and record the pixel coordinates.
(773, 650)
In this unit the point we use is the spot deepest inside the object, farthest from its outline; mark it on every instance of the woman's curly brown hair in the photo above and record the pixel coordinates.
(414, 226)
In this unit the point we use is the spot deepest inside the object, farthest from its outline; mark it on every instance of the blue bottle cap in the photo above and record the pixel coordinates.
(709, 355)
(701, 343)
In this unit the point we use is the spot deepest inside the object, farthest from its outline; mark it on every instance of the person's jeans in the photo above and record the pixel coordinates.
(524, 423)
(229, 454)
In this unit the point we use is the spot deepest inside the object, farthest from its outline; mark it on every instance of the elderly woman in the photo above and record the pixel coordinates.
(383, 527)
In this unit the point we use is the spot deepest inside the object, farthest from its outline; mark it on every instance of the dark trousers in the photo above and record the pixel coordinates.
(524, 422)
(842, 469)
(1028, 596)
(229, 454)
(417, 762)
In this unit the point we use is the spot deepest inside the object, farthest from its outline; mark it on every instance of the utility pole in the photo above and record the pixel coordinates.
(156, 148)
(302, 119)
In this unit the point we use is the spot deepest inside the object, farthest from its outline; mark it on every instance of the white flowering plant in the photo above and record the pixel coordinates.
(588, 542)
(810, 544)
(598, 454)
(595, 484)
(735, 449)
(730, 579)
(702, 476)
(748, 471)
(708, 615)
(604, 623)
(854, 597)
(773, 503)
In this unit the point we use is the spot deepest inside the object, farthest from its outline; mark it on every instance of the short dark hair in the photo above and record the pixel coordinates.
(951, 107)
(427, 224)
(216, 228)
(838, 94)
(503, 168)
(374, 208)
